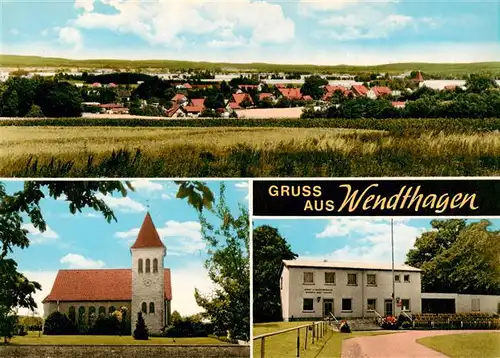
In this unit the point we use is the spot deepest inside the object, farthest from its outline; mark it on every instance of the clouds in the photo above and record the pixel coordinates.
(348, 20)
(70, 36)
(44, 278)
(124, 204)
(216, 23)
(180, 238)
(75, 261)
(369, 239)
(38, 237)
(244, 187)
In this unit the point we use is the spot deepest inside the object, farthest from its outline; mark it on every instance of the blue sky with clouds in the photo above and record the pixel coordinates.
(354, 240)
(294, 31)
(86, 240)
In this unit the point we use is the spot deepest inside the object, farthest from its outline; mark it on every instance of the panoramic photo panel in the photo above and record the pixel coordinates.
(142, 268)
(302, 88)
(376, 287)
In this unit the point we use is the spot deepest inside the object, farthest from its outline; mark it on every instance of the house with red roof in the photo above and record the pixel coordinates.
(419, 78)
(359, 90)
(180, 98)
(378, 92)
(146, 287)
(399, 104)
(237, 99)
(265, 95)
(291, 93)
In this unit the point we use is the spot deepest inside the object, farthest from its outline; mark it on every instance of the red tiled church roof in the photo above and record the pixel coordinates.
(97, 285)
(148, 236)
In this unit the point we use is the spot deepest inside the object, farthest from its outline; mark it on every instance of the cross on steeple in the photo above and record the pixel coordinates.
(147, 204)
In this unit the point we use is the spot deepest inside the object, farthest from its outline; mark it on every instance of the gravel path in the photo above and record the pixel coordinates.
(398, 345)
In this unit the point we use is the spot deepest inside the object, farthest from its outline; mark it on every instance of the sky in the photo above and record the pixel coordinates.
(285, 31)
(353, 240)
(86, 241)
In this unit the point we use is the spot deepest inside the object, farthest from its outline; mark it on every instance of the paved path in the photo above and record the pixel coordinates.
(397, 345)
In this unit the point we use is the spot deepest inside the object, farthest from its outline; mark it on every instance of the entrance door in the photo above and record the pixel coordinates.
(388, 307)
(327, 307)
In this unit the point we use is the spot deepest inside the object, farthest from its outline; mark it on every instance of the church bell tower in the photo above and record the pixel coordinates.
(148, 277)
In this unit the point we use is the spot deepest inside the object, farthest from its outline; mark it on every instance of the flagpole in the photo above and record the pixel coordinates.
(393, 282)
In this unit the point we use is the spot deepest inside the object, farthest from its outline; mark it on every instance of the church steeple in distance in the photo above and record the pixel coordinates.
(148, 236)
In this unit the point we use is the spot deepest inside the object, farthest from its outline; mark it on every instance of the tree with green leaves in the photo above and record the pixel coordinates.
(458, 257)
(269, 251)
(479, 83)
(228, 306)
(16, 290)
(313, 86)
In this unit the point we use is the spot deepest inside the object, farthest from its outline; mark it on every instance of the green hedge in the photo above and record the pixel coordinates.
(397, 126)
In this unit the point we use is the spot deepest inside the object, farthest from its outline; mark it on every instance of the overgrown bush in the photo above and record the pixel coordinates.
(58, 323)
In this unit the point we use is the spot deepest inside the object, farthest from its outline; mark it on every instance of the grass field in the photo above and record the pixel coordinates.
(484, 345)
(32, 338)
(284, 345)
(441, 68)
(53, 151)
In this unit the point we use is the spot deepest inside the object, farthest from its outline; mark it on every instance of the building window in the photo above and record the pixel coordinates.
(148, 266)
(347, 304)
(112, 309)
(405, 304)
(155, 265)
(371, 304)
(144, 307)
(151, 307)
(72, 314)
(81, 314)
(140, 266)
(281, 283)
(475, 305)
(330, 278)
(102, 311)
(397, 278)
(91, 313)
(352, 279)
(371, 279)
(308, 277)
(407, 278)
(308, 304)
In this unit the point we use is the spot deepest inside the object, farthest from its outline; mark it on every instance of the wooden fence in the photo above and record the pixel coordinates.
(318, 331)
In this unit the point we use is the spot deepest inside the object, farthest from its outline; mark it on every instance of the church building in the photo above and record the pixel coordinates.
(146, 288)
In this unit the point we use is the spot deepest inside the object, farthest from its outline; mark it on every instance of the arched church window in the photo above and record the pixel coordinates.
(92, 315)
(140, 266)
(72, 314)
(155, 265)
(112, 309)
(148, 266)
(144, 307)
(151, 307)
(102, 311)
(81, 314)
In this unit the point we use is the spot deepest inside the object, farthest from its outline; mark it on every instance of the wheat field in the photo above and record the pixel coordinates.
(238, 151)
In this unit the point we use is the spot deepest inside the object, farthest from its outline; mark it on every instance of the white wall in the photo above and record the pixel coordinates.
(295, 291)
(463, 303)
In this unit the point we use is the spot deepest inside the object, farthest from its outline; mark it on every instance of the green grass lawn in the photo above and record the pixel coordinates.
(284, 345)
(466, 345)
(33, 339)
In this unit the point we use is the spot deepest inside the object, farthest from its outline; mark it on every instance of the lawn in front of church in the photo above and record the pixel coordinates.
(33, 339)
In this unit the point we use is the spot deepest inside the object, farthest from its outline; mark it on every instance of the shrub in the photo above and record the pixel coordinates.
(106, 325)
(389, 322)
(141, 331)
(58, 323)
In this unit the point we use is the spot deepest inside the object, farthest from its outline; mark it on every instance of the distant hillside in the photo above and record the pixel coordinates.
(441, 68)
